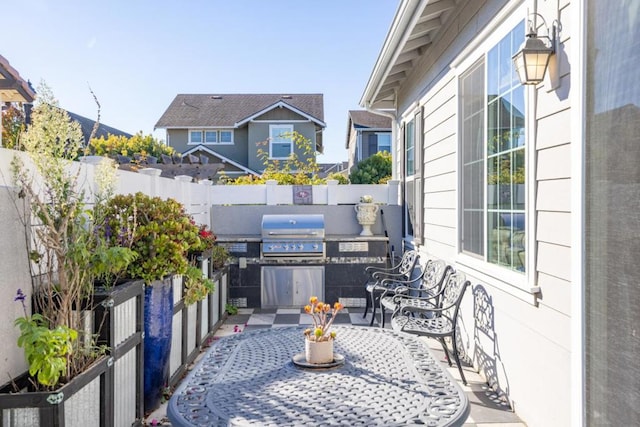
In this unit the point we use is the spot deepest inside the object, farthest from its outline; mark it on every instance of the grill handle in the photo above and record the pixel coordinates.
(289, 233)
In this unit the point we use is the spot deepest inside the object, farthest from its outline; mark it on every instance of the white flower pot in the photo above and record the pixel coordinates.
(318, 352)
(366, 214)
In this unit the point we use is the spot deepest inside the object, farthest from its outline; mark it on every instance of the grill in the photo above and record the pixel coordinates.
(293, 236)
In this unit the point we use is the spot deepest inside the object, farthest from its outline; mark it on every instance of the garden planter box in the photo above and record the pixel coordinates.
(81, 402)
(194, 324)
(118, 314)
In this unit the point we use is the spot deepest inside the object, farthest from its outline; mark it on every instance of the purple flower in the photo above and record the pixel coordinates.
(20, 296)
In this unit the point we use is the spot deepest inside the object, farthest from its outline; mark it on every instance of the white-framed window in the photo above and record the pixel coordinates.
(492, 157)
(226, 137)
(210, 136)
(195, 137)
(280, 141)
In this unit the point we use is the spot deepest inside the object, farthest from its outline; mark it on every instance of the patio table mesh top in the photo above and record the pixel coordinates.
(388, 378)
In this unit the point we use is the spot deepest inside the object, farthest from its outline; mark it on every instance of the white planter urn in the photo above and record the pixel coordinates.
(366, 213)
(317, 352)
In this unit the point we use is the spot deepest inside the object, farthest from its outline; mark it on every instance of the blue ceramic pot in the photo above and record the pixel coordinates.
(158, 316)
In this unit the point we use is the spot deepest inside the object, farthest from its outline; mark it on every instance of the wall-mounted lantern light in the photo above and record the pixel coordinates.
(532, 59)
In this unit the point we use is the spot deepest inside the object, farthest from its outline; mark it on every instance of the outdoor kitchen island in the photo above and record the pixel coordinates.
(259, 281)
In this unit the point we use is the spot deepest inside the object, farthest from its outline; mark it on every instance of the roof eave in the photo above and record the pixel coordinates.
(281, 104)
(398, 33)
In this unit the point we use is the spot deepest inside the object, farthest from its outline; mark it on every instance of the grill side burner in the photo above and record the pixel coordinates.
(293, 236)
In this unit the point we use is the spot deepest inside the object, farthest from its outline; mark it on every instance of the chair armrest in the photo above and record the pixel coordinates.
(379, 275)
(399, 297)
(389, 282)
(372, 269)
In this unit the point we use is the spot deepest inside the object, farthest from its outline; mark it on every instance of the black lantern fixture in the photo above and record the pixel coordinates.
(532, 59)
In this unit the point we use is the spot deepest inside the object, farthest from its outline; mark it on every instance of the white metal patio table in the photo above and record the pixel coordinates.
(249, 379)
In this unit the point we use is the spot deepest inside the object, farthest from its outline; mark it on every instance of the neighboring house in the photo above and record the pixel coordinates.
(367, 133)
(103, 130)
(326, 169)
(531, 190)
(231, 128)
(13, 88)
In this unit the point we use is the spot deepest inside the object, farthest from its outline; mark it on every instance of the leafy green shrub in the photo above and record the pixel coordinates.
(292, 171)
(372, 170)
(47, 350)
(338, 177)
(197, 286)
(158, 230)
(231, 309)
(146, 145)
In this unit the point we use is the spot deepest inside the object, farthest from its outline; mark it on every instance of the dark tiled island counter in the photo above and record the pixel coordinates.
(342, 267)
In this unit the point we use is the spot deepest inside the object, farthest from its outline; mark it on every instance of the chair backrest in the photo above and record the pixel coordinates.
(434, 274)
(408, 262)
(433, 277)
(453, 291)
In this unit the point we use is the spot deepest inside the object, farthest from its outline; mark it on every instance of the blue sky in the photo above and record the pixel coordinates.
(137, 55)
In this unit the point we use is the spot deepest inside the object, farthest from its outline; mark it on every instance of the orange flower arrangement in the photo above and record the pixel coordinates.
(323, 316)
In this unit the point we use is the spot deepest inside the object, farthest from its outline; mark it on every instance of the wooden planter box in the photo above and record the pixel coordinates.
(81, 402)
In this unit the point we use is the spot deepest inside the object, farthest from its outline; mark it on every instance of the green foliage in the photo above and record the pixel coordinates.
(109, 262)
(12, 126)
(338, 177)
(219, 256)
(292, 171)
(373, 170)
(47, 350)
(196, 285)
(158, 230)
(68, 250)
(146, 145)
(231, 309)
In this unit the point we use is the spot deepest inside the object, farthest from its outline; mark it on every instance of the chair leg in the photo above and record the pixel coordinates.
(446, 351)
(381, 314)
(373, 307)
(455, 354)
(366, 306)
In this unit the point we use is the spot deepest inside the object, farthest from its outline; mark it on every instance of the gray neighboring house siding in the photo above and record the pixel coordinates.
(248, 116)
(363, 130)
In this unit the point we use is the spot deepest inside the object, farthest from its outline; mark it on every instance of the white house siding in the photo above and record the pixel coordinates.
(526, 350)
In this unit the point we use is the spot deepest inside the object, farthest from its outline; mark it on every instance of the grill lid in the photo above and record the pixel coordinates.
(282, 226)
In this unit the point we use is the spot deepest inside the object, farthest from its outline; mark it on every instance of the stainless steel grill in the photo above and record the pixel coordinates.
(293, 235)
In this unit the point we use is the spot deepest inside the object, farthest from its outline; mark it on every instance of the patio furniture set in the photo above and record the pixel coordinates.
(385, 376)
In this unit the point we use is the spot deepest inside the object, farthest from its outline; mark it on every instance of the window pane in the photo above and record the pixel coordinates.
(384, 142)
(226, 136)
(195, 136)
(211, 136)
(410, 200)
(279, 150)
(472, 147)
(506, 170)
(409, 147)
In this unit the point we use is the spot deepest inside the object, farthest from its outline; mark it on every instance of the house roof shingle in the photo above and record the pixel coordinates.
(225, 110)
(366, 119)
(103, 130)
